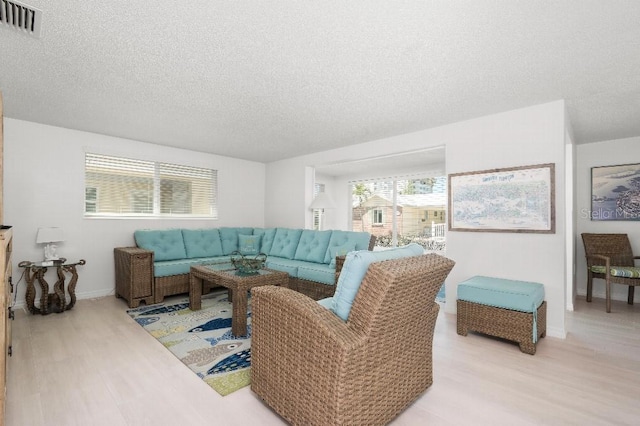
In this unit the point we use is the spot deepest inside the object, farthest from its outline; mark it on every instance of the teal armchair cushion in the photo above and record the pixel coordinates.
(166, 244)
(618, 271)
(312, 246)
(354, 269)
(202, 242)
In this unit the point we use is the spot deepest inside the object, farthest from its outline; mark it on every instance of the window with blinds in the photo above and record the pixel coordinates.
(116, 186)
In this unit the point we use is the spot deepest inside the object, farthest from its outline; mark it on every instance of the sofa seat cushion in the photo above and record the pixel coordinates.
(523, 296)
(166, 244)
(285, 243)
(312, 246)
(285, 265)
(617, 271)
(340, 238)
(202, 242)
(229, 237)
(317, 272)
(354, 269)
(167, 268)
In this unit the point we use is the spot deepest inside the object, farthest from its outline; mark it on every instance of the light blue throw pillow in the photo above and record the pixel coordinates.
(249, 244)
(354, 269)
(341, 250)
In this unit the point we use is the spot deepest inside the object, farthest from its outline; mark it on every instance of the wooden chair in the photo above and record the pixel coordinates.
(609, 257)
(313, 368)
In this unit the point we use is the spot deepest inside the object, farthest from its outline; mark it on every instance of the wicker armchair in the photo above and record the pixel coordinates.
(609, 257)
(314, 369)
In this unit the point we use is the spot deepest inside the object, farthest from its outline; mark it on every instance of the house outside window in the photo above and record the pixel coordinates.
(131, 187)
(401, 210)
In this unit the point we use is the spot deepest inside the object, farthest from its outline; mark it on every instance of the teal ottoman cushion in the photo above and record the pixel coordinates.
(520, 296)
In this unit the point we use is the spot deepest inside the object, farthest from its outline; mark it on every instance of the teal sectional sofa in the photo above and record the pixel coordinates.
(159, 264)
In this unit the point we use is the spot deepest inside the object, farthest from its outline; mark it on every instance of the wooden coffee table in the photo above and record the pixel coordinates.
(238, 285)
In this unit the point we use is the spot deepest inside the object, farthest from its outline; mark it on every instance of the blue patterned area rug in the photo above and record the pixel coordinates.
(202, 339)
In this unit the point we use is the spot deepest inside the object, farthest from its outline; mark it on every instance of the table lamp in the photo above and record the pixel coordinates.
(49, 236)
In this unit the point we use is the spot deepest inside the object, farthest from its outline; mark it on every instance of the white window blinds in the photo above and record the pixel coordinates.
(116, 186)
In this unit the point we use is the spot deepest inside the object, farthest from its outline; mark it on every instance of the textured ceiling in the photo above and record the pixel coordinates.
(267, 80)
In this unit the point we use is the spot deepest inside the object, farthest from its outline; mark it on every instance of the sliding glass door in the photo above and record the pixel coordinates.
(401, 210)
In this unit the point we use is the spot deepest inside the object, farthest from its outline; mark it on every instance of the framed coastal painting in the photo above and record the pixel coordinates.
(615, 192)
(516, 199)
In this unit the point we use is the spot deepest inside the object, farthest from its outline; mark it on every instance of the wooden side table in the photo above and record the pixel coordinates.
(56, 301)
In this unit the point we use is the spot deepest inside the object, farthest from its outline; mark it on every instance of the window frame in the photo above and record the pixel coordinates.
(374, 215)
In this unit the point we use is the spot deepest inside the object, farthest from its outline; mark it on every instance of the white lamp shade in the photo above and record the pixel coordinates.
(322, 201)
(49, 235)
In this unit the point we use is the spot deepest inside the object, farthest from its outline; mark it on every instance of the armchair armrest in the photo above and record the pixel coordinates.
(290, 313)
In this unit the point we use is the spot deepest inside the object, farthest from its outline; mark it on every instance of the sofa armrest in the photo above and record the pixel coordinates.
(134, 274)
(372, 242)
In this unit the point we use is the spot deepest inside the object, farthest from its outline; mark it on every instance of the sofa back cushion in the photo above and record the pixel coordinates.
(352, 240)
(166, 244)
(285, 242)
(229, 237)
(312, 246)
(202, 242)
(267, 238)
(354, 269)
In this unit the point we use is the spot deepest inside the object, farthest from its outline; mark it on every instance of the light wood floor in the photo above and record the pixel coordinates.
(94, 366)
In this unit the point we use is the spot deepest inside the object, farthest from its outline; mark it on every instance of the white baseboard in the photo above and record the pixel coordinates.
(22, 304)
(560, 333)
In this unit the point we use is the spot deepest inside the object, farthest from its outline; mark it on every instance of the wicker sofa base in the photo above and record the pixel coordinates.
(314, 290)
(504, 323)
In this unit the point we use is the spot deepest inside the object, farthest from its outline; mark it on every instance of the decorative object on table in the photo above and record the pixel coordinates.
(516, 199)
(615, 192)
(49, 236)
(248, 265)
(321, 202)
(56, 301)
(201, 339)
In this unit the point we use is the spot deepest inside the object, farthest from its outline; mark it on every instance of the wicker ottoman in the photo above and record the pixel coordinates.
(512, 310)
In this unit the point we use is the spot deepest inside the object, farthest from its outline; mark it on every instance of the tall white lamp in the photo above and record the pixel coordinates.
(48, 236)
(321, 202)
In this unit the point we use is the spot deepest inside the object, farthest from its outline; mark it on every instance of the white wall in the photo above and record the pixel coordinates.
(607, 153)
(44, 186)
(528, 136)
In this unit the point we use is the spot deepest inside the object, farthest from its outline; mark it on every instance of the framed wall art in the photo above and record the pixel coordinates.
(517, 199)
(615, 192)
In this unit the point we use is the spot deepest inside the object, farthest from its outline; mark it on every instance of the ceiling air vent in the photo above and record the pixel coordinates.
(20, 17)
